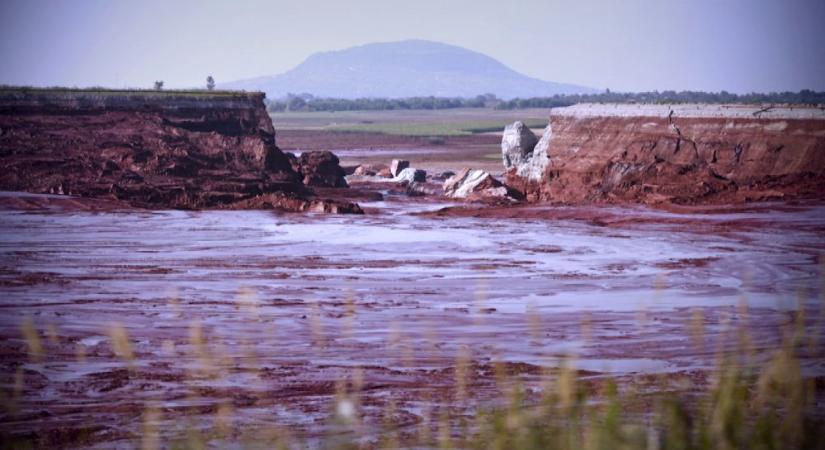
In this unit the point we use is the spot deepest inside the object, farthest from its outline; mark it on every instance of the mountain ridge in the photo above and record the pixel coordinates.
(398, 69)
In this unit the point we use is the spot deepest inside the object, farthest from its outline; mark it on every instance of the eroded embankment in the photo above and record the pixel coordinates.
(682, 154)
(150, 149)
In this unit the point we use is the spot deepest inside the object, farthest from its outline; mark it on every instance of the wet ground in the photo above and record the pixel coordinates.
(254, 320)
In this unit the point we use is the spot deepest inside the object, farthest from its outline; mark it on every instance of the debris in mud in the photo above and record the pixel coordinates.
(398, 165)
(371, 170)
(298, 204)
(319, 168)
(410, 175)
(476, 185)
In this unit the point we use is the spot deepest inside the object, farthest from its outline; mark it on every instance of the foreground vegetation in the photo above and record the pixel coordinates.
(753, 399)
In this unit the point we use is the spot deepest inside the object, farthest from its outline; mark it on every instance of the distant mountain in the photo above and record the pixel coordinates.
(403, 69)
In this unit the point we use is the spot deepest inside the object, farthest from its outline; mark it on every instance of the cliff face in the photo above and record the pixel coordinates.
(680, 154)
(190, 150)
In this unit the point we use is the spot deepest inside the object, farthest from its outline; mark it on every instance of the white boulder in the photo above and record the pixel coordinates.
(474, 183)
(411, 175)
(517, 143)
(397, 166)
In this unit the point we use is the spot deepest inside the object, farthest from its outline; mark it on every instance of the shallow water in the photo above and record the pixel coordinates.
(288, 303)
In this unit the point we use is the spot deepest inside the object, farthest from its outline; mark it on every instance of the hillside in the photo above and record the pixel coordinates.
(403, 69)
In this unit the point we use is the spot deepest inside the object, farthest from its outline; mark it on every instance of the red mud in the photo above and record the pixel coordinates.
(273, 315)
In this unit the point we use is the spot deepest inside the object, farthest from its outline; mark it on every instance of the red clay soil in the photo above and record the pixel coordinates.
(168, 151)
(686, 160)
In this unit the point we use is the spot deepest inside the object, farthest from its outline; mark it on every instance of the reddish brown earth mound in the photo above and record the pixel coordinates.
(319, 168)
(169, 150)
(692, 155)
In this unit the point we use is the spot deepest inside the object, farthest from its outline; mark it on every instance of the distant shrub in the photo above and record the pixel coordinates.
(307, 102)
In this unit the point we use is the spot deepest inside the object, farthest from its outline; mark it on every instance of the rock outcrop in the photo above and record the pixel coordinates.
(398, 165)
(316, 205)
(517, 144)
(475, 185)
(411, 175)
(372, 170)
(675, 154)
(321, 169)
(151, 149)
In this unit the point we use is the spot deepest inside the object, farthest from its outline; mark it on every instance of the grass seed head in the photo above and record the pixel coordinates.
(33, 344)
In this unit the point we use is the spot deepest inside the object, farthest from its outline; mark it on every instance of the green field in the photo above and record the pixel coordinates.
(444, 122)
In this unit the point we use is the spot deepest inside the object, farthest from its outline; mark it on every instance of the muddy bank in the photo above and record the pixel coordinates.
(150, 149)
(267, 318)
(681, 154)
(735, 215)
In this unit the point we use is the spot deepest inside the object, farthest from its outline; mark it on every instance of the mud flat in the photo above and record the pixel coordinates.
(186, 316)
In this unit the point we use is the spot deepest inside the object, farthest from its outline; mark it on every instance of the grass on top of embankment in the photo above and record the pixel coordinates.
(101, 91)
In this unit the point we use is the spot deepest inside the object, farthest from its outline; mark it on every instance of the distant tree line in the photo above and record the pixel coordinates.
(308, 102)
(803, 97)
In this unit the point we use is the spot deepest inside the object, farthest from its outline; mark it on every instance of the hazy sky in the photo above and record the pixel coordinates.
(736, 45)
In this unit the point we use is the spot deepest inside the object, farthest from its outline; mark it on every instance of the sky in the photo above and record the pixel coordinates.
(625, 45)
